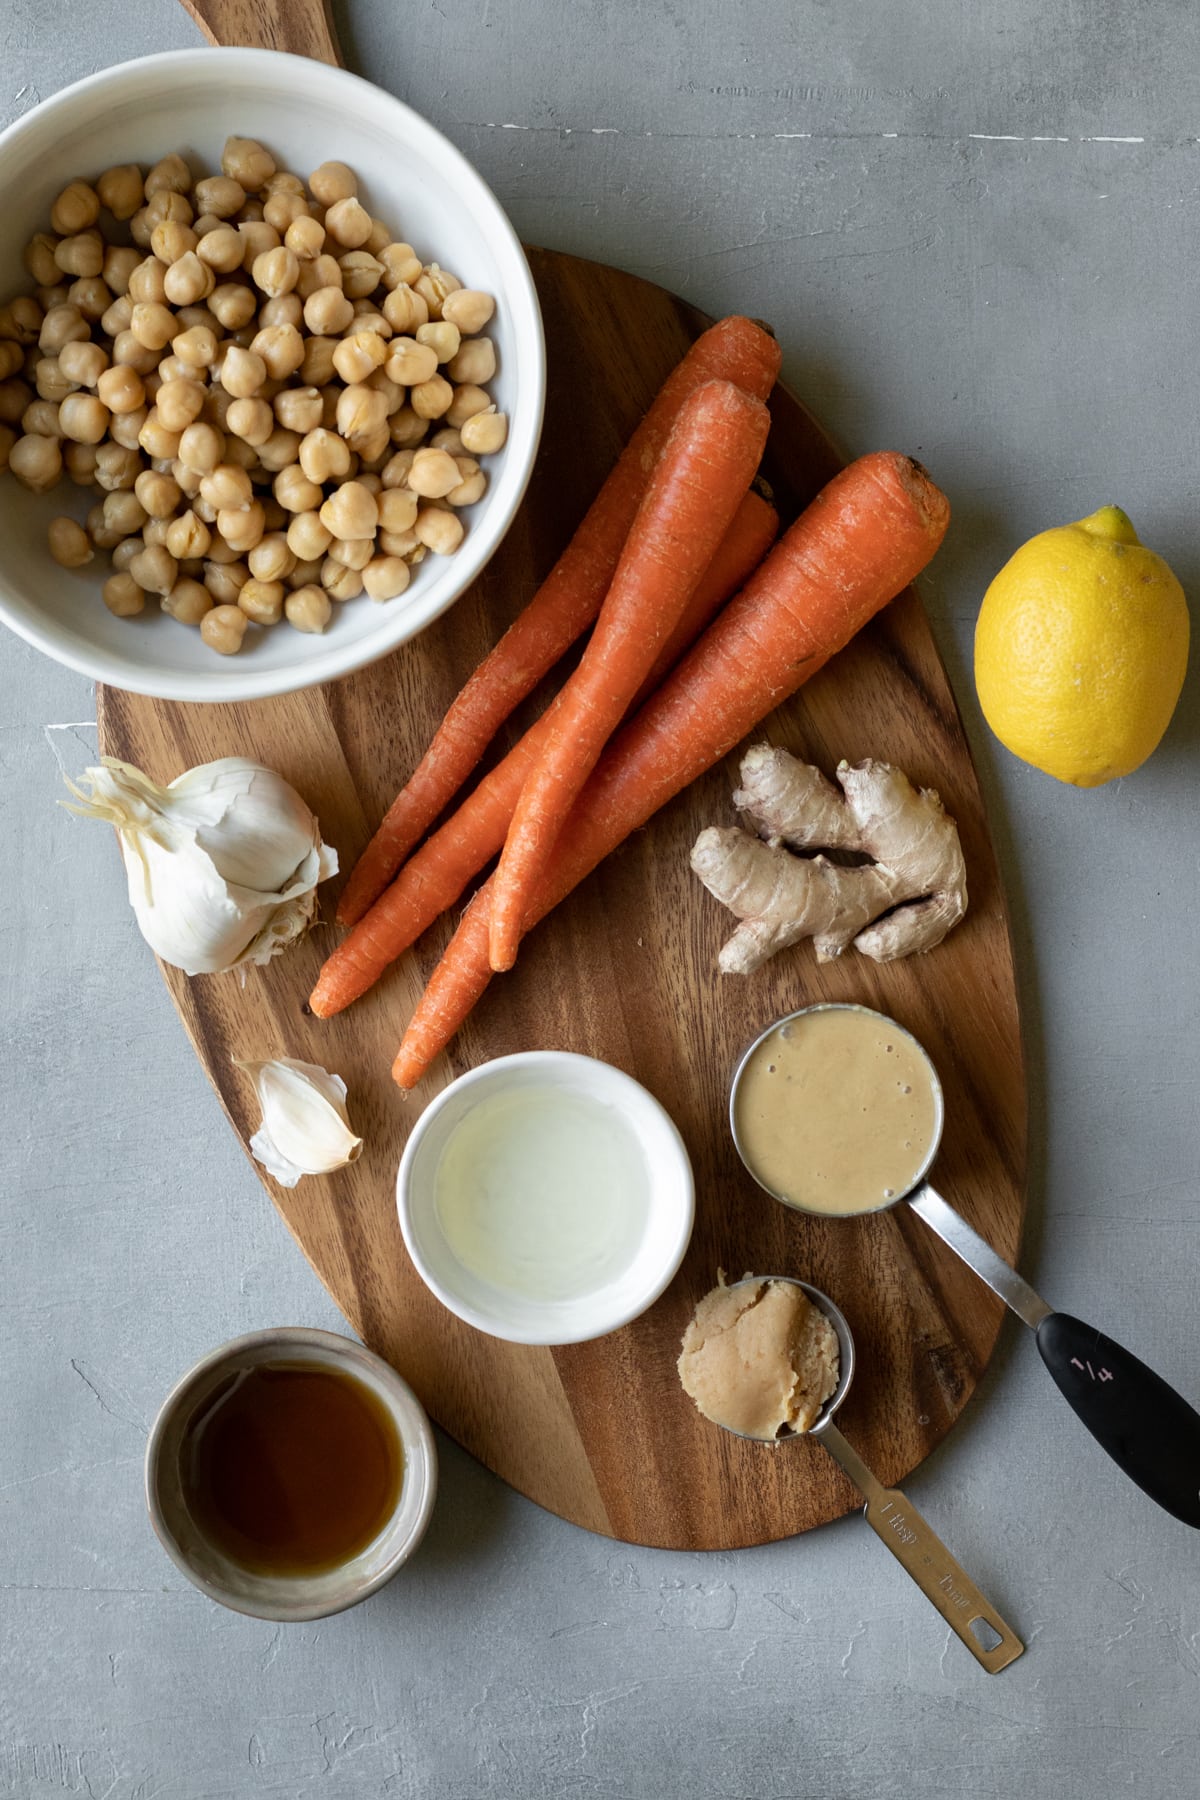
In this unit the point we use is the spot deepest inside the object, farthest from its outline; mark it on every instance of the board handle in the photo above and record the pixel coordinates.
(303, 27)
(1148, 1429)
(921, 1553)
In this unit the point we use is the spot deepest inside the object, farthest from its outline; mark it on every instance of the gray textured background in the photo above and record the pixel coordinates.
(974, 230)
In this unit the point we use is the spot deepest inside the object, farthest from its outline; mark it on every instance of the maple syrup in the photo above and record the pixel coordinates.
(291, 1468)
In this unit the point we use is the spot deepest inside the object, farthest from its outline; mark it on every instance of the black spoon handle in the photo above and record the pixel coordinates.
(1148, 1429)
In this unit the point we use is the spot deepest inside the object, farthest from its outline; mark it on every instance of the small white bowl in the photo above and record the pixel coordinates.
(410, 175)
(502, 1310)
(289, 1597)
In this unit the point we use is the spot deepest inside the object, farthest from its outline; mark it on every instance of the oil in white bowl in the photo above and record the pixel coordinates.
(543, 1193)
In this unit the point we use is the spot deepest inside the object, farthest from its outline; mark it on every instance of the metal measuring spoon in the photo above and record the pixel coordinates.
(893, 1518)
(1148, 1429)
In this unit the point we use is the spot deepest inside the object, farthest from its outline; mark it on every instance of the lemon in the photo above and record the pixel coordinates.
(1080, 650)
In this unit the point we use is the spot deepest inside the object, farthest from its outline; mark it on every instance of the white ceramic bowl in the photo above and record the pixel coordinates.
(306, 113)
(289, 1597)
(501, 1309)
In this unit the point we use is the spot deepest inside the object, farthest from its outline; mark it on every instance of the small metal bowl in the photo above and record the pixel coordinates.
(289, 1597)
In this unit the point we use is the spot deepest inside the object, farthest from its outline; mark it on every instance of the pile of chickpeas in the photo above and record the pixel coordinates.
(281, 404)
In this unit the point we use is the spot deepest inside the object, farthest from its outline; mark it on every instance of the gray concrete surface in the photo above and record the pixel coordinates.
(975, 231)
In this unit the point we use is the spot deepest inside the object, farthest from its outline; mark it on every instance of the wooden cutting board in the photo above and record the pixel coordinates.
(626, 970)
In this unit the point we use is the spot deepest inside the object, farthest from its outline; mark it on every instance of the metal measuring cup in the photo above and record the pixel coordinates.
(893, 1518)
(1148, 1429)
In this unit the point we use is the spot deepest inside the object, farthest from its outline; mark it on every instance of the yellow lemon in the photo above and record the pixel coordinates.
(1080, 650)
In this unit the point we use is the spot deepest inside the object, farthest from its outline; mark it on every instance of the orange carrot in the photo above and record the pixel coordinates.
(704, 470)
(734, 349)
(434, 878)
(862, 540)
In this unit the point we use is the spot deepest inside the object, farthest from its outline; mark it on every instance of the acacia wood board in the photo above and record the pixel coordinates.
(601, 1433)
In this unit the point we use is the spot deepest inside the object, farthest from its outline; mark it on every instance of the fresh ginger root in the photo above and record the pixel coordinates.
(916, 877)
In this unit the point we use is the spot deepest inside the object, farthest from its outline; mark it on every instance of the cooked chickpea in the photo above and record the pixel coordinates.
(284, 310)
(447, 439)
(82, 362)
(246, 161)
(233, 305)
(282, 210)
(188, 601)
(39, 258)
(227, 486)
(188, 479)
(324, 456)
(361, 273)
(15, 396)
(474, 363)
(433, 474)
(439, 530)
(188, 280)
(220, 195)
(410, 362)
(281, 348)
(358, 356)
(201, 447)
(81, 255)
(188, 537)
(40, 419)
(257, 238)
(171, 240)
(433, 399)
(116, 318)
(79, 461)
(241, 526)
(349, 512)
(305, 238)
(118, 466)
(401, 266)
(224, 575)
(305, 574)
(361, 413)
(223, 629)
(91, 295)
(295, 491)
(21, 319)
(279, 451)
(178, 404)
(61, 325)
(381, 235)
(262, 601)
(69, 544)
(251, 420)
(49, 380)
(348, 223)
(197, 347)
(169, 175)
(339, 581)
(406, 429)
(331, 182)
(275, 271)
(308, 609)
(396, 508)
(308, 537)
(242, 372)
(167, 204)
(299, 409)
(352, 553)
(316, 371)
(155, 570)
(130, 352)
(221, 249)
(157, 492)
(155, 439)
(485, 432)
(152, 324)
(84, 418)
(472, 483)
(469, 309)
(271, 558)
(121, 190)
(399, 543)
(385, 577)
(122, 595)
(443, 339)
(327, 311)
(147, 282)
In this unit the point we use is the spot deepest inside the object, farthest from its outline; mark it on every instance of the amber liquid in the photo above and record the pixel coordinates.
(291, 1468)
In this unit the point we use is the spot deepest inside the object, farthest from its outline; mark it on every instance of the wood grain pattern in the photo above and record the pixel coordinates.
(626, 970)
(303, 27)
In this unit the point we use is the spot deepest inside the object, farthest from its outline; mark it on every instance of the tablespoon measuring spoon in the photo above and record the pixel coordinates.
(893, 1518)
(1148, 1429)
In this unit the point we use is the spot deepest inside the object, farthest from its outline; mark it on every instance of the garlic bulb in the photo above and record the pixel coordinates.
(304, 1130)
(222, 864)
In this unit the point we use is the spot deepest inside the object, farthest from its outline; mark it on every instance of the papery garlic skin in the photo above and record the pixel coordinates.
(222, 865)
(305, 1129)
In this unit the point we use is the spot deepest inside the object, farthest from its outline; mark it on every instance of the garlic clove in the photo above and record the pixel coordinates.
(305, 1128)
